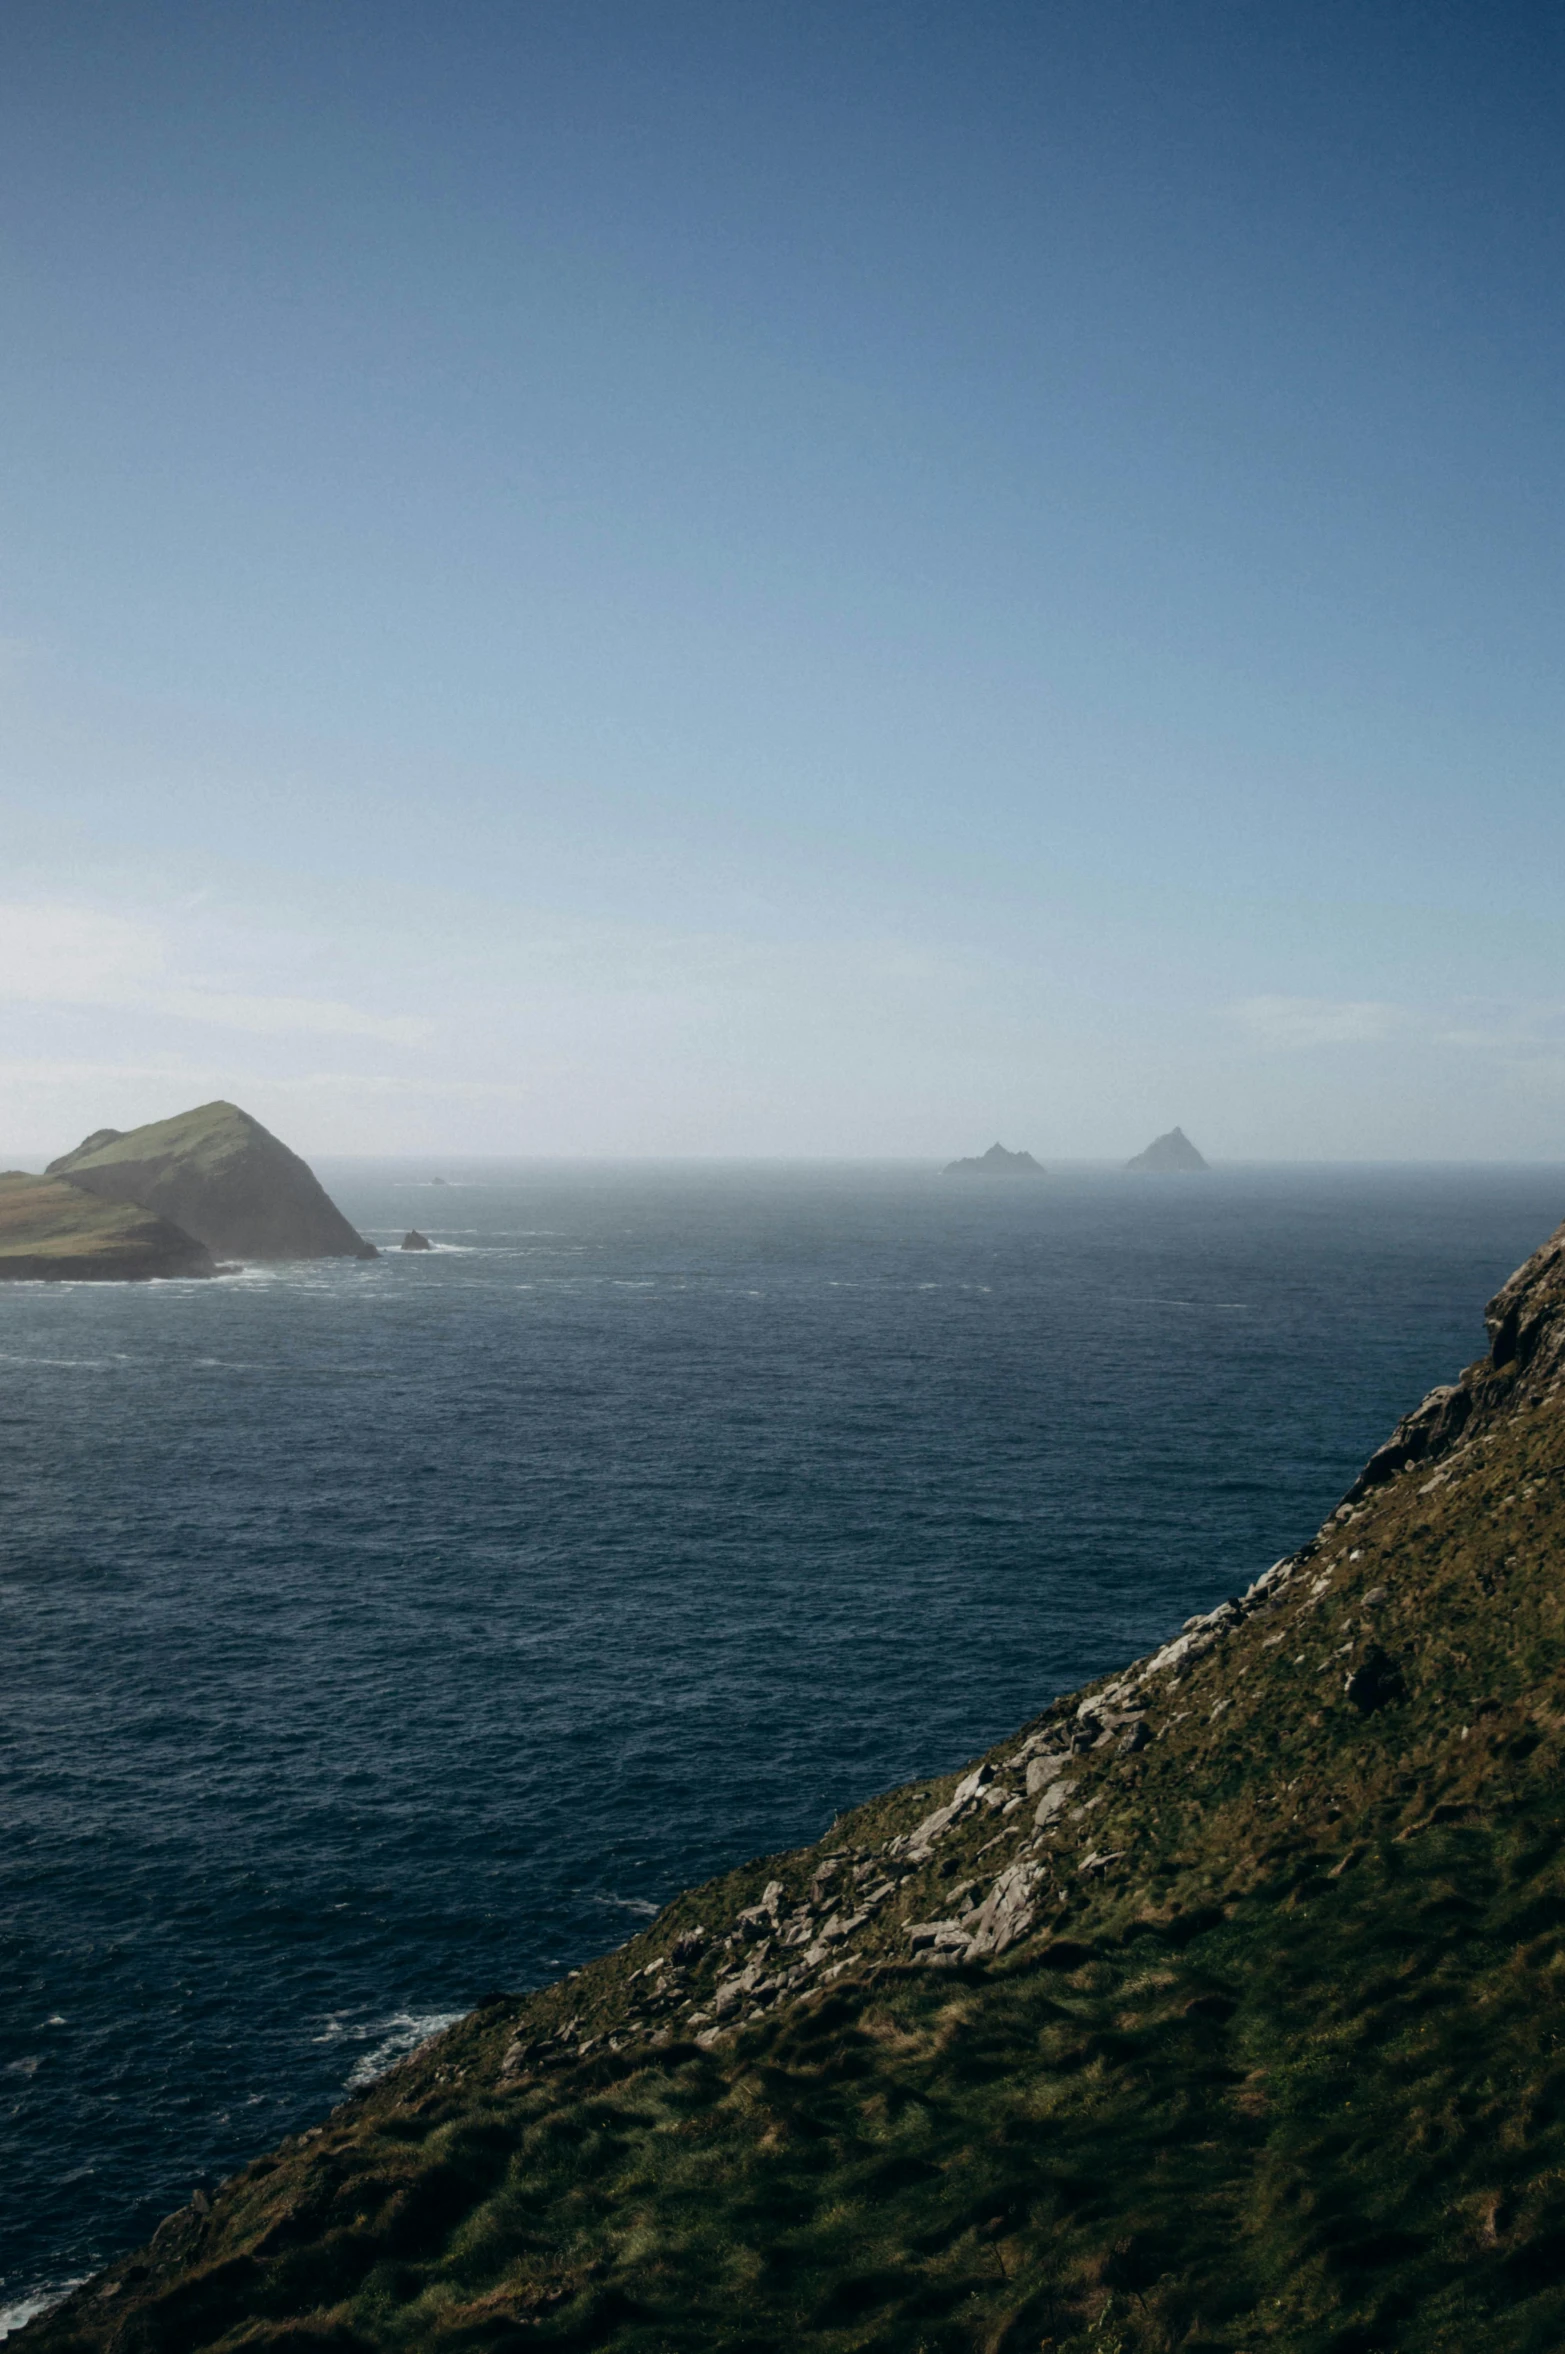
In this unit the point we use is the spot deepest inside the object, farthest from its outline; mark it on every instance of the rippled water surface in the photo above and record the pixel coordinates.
(372, 1636)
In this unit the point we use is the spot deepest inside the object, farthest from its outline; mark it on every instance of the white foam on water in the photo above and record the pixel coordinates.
(95, 1285)
(1157, 1300)
(402, 2033)
(15, 2317)
(631, 1904)
(68, 1364)
(388, 1241)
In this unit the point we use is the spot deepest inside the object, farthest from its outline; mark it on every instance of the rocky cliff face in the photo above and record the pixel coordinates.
(51, 1231)
(223, 1178)
(1218, 2007)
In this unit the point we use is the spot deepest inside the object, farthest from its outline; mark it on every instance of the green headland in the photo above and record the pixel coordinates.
(1219, 2007)
(54, 1232)
(222, 1177)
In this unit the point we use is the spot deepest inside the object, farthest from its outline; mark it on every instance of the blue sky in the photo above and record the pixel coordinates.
(744, 578)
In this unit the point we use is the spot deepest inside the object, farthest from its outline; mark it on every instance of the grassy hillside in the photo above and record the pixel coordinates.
(1220, 2008)
(52, 1230)
(209, 1139)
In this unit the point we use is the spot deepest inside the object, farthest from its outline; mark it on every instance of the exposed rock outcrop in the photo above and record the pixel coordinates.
(53, 1232)
(223, 1178)
(414, 1241)
(1168, 1155)
(996, 1162)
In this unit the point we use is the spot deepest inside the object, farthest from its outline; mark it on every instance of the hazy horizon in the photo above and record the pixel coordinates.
(816, 583)
(432, 1165)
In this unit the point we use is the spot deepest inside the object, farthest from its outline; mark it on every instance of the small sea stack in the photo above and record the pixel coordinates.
(414, 1241)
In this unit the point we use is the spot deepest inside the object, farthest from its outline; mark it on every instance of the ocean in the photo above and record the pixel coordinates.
(375, 1636)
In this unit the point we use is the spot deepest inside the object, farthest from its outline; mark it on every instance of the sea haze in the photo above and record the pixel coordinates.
(379, 1635)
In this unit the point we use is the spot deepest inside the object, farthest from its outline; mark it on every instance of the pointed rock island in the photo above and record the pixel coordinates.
(996, 1162)
(223, 1179)
(1168, 1155)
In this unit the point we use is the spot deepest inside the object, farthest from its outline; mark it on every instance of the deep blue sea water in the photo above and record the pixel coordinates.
(374, 1636)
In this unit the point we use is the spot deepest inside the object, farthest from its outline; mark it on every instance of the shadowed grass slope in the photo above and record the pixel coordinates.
(51, 1231)
(1222, 2009)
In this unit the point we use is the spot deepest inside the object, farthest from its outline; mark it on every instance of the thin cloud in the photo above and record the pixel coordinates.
(1509, 1030)
(284, 1016)
(52, 954)
(192, 1078)
(1293, 1022)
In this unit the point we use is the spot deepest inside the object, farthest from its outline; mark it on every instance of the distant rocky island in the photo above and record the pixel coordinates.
(170, 1198)
(996, 1162)
(1169, 1154)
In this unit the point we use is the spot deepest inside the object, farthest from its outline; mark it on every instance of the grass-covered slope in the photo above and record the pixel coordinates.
(50, 1231)
(221, 1176)
(1220, 2009)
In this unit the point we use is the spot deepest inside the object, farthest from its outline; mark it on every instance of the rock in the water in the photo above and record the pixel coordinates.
(223, 1178)
(996, 1162)
(1169, 1154)
(51, 1231)
(414, 1241)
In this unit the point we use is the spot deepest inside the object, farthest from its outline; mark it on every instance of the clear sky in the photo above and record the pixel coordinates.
(785, 576)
